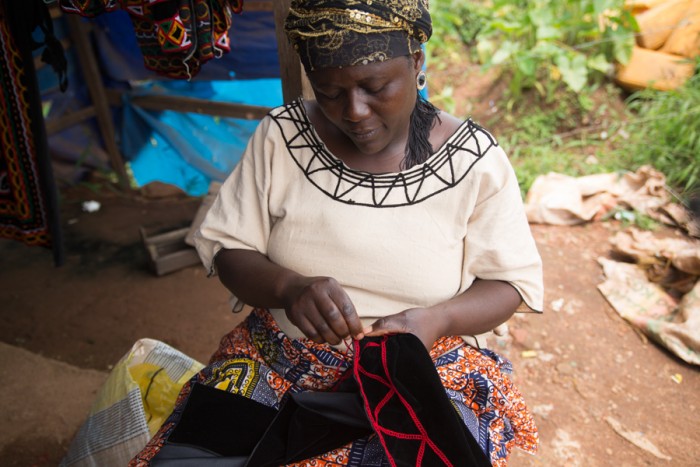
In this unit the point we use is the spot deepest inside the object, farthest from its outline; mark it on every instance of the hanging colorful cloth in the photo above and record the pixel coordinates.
(88, 8)
(176, 37)
(28, 199)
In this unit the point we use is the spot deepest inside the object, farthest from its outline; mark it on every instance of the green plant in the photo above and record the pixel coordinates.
(562, 137)
(456, 24)
(629, 217)
(665, 132)
(547, 45)
(444, 99)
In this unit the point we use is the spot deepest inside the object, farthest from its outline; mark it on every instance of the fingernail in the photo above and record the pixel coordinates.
(360, 336)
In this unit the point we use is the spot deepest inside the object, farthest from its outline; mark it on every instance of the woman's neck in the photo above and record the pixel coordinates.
(389, 160)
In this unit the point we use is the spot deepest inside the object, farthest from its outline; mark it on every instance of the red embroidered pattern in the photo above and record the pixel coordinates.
(373, 415)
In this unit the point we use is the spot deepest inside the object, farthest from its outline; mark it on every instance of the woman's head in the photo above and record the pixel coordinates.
(371, 104)
(362, 58)
(341, 33)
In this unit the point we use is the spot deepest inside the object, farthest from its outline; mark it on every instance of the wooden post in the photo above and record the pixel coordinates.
(93, 79)
(294, 80)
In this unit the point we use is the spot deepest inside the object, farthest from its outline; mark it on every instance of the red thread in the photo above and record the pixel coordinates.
(373, 415)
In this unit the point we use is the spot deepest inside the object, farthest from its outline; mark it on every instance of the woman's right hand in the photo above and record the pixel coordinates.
(322, 310)
(318, 306)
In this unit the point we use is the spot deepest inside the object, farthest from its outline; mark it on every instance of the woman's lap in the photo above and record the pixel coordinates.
(258, 361)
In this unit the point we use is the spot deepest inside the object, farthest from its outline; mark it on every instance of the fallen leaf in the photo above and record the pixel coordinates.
(637, 438)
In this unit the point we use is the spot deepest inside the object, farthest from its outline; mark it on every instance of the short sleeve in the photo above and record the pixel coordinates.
(499, 243)
(239, 218)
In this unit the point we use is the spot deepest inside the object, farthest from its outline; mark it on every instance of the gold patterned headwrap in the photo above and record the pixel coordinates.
(338, 33)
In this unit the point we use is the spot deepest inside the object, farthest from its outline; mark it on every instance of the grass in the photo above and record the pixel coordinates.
(561, 136)
(660, 129)
(666, 129)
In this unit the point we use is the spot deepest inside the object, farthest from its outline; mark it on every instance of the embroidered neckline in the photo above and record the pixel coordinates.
(403, 188)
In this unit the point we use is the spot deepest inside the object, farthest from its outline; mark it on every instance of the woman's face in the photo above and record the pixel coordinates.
(370, 104)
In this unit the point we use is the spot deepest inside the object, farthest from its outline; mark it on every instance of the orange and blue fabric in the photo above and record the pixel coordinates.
(474, 394)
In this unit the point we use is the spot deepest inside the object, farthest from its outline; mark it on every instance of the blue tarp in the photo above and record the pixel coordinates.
(190, 150)
(186, 150)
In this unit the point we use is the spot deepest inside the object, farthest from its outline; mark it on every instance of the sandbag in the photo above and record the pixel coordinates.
(685, 39)
(656, 24)
(651, 68)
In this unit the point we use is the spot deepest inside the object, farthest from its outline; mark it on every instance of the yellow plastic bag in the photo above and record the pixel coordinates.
(137, 397)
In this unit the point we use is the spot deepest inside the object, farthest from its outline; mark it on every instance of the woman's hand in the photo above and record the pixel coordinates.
(322, 310)
(318, 306)
(479, 309)
(417, 321)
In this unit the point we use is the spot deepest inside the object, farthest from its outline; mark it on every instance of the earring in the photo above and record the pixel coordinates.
(421, 80)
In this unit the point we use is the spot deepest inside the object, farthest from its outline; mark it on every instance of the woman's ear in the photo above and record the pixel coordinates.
(418, 60)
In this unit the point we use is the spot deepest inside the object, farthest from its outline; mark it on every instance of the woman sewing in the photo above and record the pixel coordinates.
(367, 212)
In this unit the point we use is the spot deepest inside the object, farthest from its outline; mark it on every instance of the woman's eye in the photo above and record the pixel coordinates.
(329, 96)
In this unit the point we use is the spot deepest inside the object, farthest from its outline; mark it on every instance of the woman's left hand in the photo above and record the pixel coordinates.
(482, 307)
(417, 321)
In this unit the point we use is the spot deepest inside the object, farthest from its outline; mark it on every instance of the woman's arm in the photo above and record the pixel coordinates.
(318, 306)
(482, 307)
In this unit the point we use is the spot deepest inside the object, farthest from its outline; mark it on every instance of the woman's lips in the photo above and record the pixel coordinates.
(363, 134)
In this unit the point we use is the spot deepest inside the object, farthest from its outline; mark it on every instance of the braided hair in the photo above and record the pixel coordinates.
(418, 147)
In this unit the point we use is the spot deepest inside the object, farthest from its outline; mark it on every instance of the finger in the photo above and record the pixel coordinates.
(389, 325)
(319, 320)
(332, 319)
(351, 319)
(309, 330)
(310, 323)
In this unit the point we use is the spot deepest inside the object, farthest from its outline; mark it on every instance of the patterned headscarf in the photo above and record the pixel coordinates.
(338, 33)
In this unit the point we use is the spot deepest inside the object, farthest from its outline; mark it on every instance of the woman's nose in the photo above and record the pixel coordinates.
(356, 107)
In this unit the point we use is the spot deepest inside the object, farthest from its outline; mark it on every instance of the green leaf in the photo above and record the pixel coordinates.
(547, 32)
(485, 49)
(623, 42)
(546, 50)
(505, 26)
(527, 65)
(506, 50)
(599, 6)
(600, 63)
(541, 16)
(573, 70)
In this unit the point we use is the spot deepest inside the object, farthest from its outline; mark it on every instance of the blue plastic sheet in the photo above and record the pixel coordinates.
(190, 150)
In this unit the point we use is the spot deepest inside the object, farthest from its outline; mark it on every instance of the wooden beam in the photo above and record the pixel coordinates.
(91, 73)
(294, 80)
(201, 106)
(257, 5)
(69, 119)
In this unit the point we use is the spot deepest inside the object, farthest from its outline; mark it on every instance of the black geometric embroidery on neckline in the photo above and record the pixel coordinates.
(440, 166)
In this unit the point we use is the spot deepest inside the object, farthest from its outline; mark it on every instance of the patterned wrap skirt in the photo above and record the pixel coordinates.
(258, 361)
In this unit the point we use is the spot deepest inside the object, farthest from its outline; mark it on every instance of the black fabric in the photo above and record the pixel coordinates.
(394, 381)
(310, 424)
(219, 421)
(397, 371)
(338, 33)
(175, 455)
(53, 53)
(216, 424)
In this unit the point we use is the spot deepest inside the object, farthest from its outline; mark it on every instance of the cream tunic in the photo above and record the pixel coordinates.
(393, 241)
